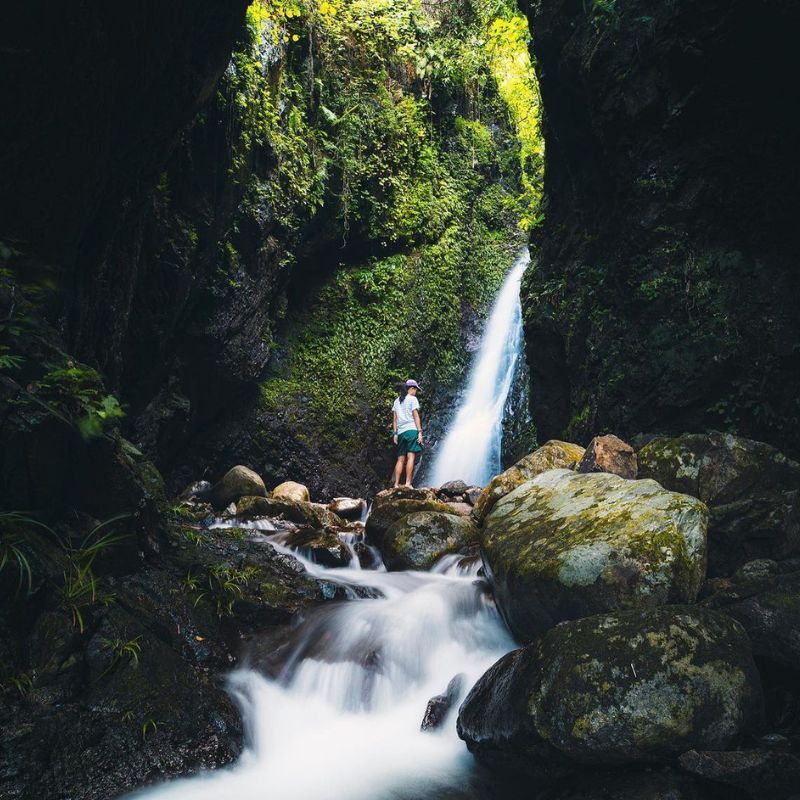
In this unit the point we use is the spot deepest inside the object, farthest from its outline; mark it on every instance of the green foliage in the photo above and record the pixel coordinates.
(220, 584)
(371, 132)
(74, 394)
(80, 588)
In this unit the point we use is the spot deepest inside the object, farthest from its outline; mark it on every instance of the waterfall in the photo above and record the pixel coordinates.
(471, 448)
(341, 720)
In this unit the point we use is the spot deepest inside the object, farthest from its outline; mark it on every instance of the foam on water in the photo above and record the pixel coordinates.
(342, 721)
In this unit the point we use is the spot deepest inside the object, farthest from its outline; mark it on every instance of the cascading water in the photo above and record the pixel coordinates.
(341, 720)
(340, 715)
(471, 449)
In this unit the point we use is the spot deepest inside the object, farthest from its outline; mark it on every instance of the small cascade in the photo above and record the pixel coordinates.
(341, 715)
(471, 449)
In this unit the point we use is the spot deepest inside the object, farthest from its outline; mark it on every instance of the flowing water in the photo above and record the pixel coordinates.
(341, 721)
(338, 717)
(471, 449)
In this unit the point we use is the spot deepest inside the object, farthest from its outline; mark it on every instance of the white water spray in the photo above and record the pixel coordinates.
(471, 449)
(342, 720)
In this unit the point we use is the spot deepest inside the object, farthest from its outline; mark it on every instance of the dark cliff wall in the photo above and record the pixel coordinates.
(666, 286)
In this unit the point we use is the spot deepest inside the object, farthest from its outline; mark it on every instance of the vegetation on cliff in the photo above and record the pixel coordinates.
(408, 140)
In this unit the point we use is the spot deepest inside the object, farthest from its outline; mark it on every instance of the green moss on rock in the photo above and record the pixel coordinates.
(551, 455)
(622, 687)
(418, 540)
(564, 545)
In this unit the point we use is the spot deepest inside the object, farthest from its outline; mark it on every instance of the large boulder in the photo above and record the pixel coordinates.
(390, 505)
(290, 490)
(564, 546)
(751, 489)
(767, 604)
(609, 454)
(239, 481)
(616, 688)
(418, 540)
(315, 515)
(551, 455)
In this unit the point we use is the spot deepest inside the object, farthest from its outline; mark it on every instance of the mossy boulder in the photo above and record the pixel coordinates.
(752, 491)
(551, 455)
(290, 490)
(420, 539)
(239, 481)
(315, 515)
(388, 507)
(565, 545)
(643, 685)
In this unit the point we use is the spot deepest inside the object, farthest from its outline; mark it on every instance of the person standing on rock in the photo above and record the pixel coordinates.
(407, 431)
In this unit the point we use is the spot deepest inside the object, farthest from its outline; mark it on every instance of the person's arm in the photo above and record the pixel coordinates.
(418, 423)
(394, 426)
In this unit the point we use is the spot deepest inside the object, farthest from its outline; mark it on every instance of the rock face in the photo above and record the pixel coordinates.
(655, 277)
(389, 506)
(564, 546)
(609, 454)
(551, 455)
(617, 688)
(290, 490)
(751, 489)
(767, 604)
(237, 482)
(418, 540)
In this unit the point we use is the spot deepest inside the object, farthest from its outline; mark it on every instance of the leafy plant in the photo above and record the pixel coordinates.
(222, 584)
(80, 588)
(120, 649)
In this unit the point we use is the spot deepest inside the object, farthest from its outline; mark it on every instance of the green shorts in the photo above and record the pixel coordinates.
(407, 443)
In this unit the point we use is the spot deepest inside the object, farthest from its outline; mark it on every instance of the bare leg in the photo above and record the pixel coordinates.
(410, 467)
(398, 470)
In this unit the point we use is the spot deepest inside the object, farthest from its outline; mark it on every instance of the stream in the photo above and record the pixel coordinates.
(340, 716)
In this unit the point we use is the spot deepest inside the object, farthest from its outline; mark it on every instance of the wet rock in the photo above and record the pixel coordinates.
(418, 540)
(462, 509)
(198, 490)
(767, 604)
(440, 706)
(315, 515)
(751, 489)
(403, 493)
(453, 488)
(321, 547)
(472, 494)
(618, 688)
(348, 508)
(551, 455)
(237, 482)
(609, 454)
(564, 546)
(289, 490)
(387, 509)
(763, 774)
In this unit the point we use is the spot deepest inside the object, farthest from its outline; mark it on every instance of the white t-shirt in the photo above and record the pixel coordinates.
(405, 413)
